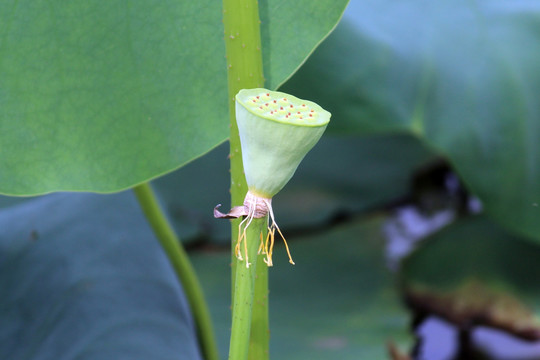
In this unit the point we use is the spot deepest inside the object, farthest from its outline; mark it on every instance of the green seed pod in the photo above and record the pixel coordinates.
(276, 131)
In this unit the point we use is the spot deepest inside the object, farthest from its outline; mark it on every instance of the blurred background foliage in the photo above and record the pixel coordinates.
(420, 203)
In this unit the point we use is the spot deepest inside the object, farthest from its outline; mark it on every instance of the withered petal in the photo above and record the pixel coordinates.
(234, 213)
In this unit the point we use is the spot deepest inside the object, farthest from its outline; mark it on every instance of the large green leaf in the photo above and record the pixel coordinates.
(99, 96)
(341, 176)
(82, 277)
(337, 302)
(460, 75)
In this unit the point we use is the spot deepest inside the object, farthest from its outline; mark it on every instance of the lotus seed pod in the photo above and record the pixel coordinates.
(276, 131)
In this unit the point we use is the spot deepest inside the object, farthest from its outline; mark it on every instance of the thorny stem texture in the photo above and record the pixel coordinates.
(182, 267)
(244, 289)
(245, 71)
(260, 333)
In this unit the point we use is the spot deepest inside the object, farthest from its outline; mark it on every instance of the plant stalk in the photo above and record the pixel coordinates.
(244, 293)
(182, 267)
(245, 71)
(260, 333)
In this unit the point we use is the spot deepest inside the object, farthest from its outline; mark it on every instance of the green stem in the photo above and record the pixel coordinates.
(182, 266)
(245, 71)
(244, 292)
(260, 334)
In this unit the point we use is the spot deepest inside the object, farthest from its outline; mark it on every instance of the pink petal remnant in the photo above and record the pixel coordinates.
(234, 213)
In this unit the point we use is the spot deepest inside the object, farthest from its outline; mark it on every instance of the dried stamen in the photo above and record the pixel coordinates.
(255, 207)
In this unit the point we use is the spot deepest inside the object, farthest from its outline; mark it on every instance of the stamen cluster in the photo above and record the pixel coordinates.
(258, 207)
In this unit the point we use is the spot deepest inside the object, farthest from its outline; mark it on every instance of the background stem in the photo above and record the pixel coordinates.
(245, 71)
(182, 266)
(244, 293)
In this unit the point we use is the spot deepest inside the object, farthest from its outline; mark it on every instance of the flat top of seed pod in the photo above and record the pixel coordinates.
(283, 108)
